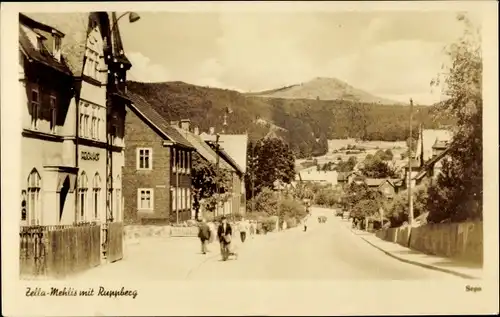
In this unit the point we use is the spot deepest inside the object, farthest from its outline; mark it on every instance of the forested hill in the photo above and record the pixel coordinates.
(308, 123)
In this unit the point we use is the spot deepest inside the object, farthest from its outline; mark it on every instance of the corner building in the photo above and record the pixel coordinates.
(72, 71)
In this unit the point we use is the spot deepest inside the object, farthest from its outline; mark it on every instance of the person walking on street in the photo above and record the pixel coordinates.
(224, 234)
(252, 229)
(306, 220)
(243, 228)
(204, 235)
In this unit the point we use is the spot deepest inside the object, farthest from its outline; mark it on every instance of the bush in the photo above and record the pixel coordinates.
(291, 223)
(269, 224)
(397, 210)
(328, 197)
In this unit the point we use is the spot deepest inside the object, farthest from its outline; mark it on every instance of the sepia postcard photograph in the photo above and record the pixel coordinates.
(249, 158)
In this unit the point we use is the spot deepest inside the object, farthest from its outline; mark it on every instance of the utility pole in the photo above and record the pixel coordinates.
(410, 196)
(253, 176)
(177, 196)
(217, 136)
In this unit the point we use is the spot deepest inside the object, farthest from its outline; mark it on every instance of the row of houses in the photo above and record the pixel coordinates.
(432, 150)
(93, 151)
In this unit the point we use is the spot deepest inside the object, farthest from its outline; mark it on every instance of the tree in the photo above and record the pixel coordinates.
(204, 181)
(362, 201)
(347, 166)
(458, 194)
(375, 167)
(271, 159)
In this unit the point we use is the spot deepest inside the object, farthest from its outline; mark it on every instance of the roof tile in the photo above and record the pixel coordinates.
(154, 117)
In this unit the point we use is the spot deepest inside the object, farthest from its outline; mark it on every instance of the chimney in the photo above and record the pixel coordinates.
(185, 124)
(174, 123)
(196, 131)
(211, 131)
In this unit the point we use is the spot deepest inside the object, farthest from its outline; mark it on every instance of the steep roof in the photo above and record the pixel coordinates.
(235, 145)
(116, 42)
(153, 118)
(27, 44)
(75, 27)
(427, 139)
(203, 148)
(432, 161)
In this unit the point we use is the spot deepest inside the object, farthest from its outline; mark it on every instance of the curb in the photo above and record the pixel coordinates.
(416, 263)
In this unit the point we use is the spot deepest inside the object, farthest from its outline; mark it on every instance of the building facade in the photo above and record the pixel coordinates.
(157, 171)
(65, 87)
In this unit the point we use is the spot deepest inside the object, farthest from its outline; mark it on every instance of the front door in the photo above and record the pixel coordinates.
(63, 195)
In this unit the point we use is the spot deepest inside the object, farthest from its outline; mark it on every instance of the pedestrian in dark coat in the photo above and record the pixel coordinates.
(224, 233)
(204, 235)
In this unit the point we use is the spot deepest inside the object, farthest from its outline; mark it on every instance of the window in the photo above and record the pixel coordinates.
(34, 204)
(145, 199)
(188, 166)
(56, 51)
(182, 162)
(174, 160)
(183, 198)
(35, 107)
(188, 196)
(98, 132)
(172, 193)
(53, 113)
(96, 191)
(82, 126)
(179, 200)
(87, 126)
(94, 128)
(82, 197)
(144, 158)
(23, 205)
(57, 43)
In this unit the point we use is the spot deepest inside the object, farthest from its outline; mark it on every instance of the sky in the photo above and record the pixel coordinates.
(390, 54)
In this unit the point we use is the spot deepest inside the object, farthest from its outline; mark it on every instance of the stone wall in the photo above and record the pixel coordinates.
(135, 232)
(462, 241)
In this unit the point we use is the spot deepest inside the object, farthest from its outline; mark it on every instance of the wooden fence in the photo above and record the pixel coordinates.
(462, 241)
(114, 241)
(58, 251)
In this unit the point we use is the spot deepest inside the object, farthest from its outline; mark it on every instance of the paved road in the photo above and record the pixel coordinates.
(325, 251)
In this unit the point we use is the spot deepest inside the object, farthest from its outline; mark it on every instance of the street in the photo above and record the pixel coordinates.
(325, 251)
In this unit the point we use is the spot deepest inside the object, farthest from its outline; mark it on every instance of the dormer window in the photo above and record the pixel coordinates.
(56, 50)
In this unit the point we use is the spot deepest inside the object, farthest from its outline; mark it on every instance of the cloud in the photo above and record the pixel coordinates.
(146, 71)
(394, 68)
(387, 54)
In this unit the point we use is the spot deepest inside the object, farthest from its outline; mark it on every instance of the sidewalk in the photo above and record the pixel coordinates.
(407, 255)
(162, 258)
(154, 258)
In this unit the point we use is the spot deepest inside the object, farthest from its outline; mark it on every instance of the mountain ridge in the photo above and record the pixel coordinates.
(301, 122)
(324, 88)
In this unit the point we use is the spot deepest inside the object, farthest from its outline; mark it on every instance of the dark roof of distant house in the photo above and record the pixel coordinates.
(440, 144)
(42, 54)
(432, 161)
(146, 111)
(203, 149)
